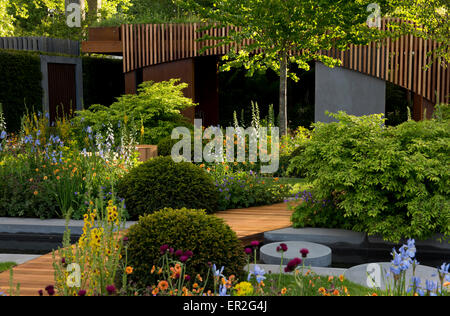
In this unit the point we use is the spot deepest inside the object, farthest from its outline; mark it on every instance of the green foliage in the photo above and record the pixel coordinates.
(160, 183)
(208, 237)
(48, 17)
(432, 17)
(6, 20)
(392, 181)
(102, 80)
(155, 111)
(240, 189)
(20, 85)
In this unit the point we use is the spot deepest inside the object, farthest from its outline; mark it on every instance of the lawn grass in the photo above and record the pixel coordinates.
(5, 266)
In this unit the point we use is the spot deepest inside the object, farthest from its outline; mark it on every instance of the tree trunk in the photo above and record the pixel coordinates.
(94, 6)
(283, 93)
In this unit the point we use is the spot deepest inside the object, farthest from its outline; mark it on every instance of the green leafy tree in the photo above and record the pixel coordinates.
(48, 17)
(430, 20)
(6, 20)
(293, 31)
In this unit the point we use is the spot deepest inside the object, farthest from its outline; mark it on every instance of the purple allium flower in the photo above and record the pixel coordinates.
(63, 260)
(171, 250)
(304, 252)
(293, 264)
(184, 258)
(41, 293)
(111, 289)
(82, 293)
(187, 277)
(50, 290)
(179, 253)
(125, 239)
(188, 253)
(282, 248)
(248, 251)
(254, 243)
(163, 249)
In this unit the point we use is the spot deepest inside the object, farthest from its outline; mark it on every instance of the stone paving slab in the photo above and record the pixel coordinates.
(275, 269)
(17, 258)
(317, 235)
(319, 255)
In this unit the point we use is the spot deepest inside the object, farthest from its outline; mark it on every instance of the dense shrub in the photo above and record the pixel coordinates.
(392, 181)
(20, 85)
(208, 237)
(160, 183)
(153, 112)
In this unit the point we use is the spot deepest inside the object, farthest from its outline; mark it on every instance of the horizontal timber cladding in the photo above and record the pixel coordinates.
(401, 61)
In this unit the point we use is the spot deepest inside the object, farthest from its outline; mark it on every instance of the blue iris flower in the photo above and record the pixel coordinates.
(258, 272)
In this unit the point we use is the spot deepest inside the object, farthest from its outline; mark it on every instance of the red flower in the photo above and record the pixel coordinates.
(304, 252)
(50, 290)
(111, 289)
(293, 264)
(179, 253)
(254, 243)
(282, 248)
(248, 251)
(82, 293)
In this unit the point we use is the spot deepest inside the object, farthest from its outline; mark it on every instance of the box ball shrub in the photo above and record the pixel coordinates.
(209, 238)
(161, 182)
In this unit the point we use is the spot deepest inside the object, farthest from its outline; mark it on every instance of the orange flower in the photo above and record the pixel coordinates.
(57, 178)
(155, 291)
(330, 278)
(283, 291)
(163, 285)
(336, 293)
(45, 178)
(374, 294)
(129, 270)
(35, 193)
(322, 290)
(341, 278)
(195, 285)
(153, 270)
(199, 278)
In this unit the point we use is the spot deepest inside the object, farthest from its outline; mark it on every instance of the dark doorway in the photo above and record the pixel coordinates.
(61, 90)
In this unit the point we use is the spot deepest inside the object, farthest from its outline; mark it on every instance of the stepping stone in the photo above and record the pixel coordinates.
(373, 275)
(319, 255)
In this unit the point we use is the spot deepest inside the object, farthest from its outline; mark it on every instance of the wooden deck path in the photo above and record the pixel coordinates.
(249, 224)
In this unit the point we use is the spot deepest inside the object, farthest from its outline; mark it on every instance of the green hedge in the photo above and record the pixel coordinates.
(20, 85)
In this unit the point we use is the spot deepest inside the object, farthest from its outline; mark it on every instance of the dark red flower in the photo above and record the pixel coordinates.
(81, 293)
(41, 293)
(111, 289)
(163, 249)
(282, 248)
(293, 264)
(187, 277)
(50, 290)
(184, 258)
(304, 252)
(188, 253)
(248, 251)
(63, 260)
(254, 243)
(179, 253)
(125, 239)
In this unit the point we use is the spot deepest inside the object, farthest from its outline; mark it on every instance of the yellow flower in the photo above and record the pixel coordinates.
(283, 291)
(35, 193)
(45, 178)
(341, 278)
(244, 289)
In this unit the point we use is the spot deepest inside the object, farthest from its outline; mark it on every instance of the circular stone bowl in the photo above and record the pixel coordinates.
(375, 275)
(319, 255)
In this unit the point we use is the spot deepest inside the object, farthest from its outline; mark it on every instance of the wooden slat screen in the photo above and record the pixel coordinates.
(401, 61)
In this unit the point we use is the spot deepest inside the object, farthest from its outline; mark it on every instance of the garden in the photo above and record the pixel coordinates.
(362, 174)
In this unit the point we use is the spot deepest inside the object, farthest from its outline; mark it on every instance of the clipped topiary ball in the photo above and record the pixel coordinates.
(160, 183)
(209, 238)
